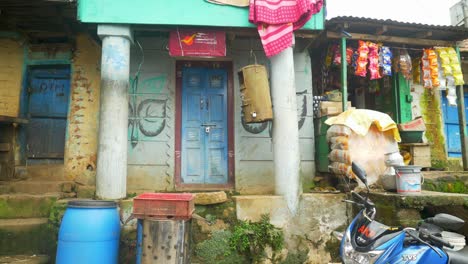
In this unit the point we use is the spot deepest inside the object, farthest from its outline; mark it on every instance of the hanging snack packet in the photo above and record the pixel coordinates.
(426, 71)
(455, 65)
(354, 59)
(386, 61)
(337, 55)
(434, 67)
(442, 79)
(374, 61)
(444, 60)
(361, 67)
(329, 57)
(349, 55)
(452, 96)
(416, 70)
(405, 64)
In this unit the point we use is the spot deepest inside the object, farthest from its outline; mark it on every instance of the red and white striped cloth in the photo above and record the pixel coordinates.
(276, 20)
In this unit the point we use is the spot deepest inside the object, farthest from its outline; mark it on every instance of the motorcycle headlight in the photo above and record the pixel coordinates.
(351, 256)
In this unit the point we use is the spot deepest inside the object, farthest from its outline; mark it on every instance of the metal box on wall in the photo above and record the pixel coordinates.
(255, 94)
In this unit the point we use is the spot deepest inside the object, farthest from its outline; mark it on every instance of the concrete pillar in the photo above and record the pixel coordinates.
(111, 178)
(285, 128)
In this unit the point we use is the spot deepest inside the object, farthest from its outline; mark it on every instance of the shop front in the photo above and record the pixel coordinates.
(407, 71)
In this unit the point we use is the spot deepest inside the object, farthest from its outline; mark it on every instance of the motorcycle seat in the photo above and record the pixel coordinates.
(458, 257)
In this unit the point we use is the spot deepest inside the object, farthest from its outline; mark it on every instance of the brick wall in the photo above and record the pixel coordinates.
(11, 64)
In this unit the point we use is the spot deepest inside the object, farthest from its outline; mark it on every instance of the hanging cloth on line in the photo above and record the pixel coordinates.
(277, 19)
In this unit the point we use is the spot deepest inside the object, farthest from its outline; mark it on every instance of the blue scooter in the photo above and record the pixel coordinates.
(368, 241)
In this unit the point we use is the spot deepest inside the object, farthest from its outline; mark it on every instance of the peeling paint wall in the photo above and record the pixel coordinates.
(11, 68)
(151, 144)
(83, 115)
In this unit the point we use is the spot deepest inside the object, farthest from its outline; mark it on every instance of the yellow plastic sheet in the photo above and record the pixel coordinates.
(360, 120)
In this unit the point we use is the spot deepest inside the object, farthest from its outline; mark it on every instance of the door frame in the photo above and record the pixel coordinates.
(227, 65)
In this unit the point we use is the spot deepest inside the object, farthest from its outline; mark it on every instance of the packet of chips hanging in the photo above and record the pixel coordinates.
(354, 59)
(455, 65)
(426, 71)
(405, 64)
(361, 65)
(433, 67)
(337, 55)
(444, 60)
(349, 55)
(329, 57)
(374, 61)
(416, 70)
(386, 60)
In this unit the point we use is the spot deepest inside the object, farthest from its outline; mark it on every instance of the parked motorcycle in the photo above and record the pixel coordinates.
(368, 241)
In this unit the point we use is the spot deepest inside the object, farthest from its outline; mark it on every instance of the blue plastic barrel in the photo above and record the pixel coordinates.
(89, 233)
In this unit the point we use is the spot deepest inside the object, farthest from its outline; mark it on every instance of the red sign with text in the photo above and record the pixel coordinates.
(192, 43)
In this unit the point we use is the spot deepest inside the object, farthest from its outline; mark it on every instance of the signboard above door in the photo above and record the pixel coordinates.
(194, 43)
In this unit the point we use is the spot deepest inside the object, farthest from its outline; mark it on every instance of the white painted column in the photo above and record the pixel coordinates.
(111, 178)
(285, 128)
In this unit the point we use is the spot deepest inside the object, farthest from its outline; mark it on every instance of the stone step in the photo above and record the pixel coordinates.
(25, 259)
(37, 187)
(26, 236)
(26, 205)
(49, 172)
(446, 181)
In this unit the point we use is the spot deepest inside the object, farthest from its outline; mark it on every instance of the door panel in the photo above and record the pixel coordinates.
(49, 91)
(204, 126)
(452, 128)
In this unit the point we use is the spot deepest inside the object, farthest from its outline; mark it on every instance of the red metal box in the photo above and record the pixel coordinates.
(163, 206)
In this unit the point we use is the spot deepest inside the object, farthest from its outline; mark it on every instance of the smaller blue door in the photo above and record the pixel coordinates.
(452, 128)
(204, 126)
(48, 96)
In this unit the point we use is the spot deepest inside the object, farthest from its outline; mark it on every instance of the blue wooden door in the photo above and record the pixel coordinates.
(452, 129)
(49, 92)
(204, 126)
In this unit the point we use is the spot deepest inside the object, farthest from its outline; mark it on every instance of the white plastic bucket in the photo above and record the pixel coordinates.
(408, 179)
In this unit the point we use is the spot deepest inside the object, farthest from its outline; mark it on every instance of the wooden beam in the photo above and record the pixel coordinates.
(423, 35)
(381, 30)
(393, 39)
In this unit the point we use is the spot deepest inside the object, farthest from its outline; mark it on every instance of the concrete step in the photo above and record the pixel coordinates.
(48, 172)
(25, 259)
(26, 236)
(37, 187)
(26, 205)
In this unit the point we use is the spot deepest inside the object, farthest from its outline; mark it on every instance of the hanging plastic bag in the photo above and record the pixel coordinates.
(337, 55)
(386, 60)
(455, 65)
(374, 61)
(416, 70)
(452, 96)
(363, 51)
(426, 71)
(405, 64)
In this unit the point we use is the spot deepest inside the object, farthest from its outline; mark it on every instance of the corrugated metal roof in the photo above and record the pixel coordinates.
(398, 29)
(341, 19)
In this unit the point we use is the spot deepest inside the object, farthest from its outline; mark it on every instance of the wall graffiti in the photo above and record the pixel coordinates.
(257, 128)
(147, 109)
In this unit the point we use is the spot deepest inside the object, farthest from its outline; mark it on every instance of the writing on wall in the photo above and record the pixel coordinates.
(147, 109)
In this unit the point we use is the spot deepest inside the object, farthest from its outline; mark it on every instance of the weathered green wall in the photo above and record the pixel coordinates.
(427, 103)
